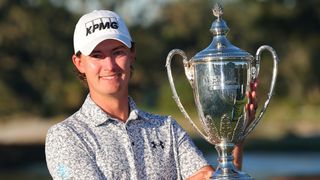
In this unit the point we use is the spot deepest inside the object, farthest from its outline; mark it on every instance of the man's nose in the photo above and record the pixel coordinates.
(108, 63)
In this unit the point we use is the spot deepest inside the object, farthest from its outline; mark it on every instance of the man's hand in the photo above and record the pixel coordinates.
(204, 173)
(252, 106)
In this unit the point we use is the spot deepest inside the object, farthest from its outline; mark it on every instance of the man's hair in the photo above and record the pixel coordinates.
(83, 77)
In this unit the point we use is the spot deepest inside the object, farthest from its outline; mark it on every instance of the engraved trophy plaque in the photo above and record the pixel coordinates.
(220, 76)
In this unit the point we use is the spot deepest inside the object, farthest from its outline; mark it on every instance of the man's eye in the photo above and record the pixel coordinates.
(96, 55)
(118, 53)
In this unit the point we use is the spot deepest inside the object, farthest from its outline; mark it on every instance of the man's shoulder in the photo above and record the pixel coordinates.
(69, 124)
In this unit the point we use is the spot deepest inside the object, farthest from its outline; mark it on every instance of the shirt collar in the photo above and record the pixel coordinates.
(134, 111)
(96, 116)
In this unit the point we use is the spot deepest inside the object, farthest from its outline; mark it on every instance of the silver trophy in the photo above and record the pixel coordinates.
(220, 76)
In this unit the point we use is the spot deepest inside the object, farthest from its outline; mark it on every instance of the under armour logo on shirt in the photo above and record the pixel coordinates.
(155, 145)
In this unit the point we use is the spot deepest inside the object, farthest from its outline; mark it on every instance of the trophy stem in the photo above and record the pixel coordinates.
(226, 169)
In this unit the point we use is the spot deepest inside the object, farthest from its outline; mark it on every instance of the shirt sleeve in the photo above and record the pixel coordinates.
(190, 157)
(68, 157)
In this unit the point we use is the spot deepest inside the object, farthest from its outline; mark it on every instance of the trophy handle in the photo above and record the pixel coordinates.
(255, 75)
(189, 75)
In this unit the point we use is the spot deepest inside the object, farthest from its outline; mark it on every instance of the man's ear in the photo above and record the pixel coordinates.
(133, 56)
(77, 61)
(133, 52)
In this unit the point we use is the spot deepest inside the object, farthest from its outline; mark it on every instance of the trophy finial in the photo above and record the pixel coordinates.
(217, 10)
(219, 26)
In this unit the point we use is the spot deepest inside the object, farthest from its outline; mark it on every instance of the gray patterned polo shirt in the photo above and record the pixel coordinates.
(92, 145)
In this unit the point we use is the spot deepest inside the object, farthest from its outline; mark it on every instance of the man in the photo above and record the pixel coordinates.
(109, 137)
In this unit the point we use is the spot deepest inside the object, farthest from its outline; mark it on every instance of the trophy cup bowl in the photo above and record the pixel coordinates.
(220, 77)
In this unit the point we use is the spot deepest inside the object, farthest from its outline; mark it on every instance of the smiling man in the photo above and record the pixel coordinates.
(109, 137)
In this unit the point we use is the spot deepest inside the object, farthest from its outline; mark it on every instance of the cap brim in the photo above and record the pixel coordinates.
(89, 47)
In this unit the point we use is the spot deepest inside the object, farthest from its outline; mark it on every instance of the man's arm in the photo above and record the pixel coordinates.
(237, 154)
(68, 157)
(204, 173)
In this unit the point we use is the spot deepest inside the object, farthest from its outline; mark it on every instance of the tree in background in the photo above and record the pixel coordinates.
(35, 47)
(36, 72)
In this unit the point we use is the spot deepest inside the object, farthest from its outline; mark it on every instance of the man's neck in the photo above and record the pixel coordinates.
(116, 107)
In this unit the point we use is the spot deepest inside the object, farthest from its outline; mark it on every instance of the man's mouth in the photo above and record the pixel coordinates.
(110, 76)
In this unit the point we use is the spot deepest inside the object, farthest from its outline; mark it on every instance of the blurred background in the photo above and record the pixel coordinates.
(38, 86)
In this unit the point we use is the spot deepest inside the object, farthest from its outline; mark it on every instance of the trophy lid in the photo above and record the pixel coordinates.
(220, 47)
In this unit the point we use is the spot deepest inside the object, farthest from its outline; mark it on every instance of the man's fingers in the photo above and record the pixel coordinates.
(254, 85)
(254, 99)
(253, 94)
(252, 108)
(252, 105)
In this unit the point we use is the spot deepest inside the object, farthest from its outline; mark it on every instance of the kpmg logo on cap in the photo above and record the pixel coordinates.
(101, 24)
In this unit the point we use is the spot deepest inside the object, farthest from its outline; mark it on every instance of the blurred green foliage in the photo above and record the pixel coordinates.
(36, 72)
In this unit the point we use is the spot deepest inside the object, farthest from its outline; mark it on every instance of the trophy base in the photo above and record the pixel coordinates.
(226, 169)
(237, 175)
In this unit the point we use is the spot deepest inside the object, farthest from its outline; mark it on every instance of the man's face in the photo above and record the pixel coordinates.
(107, 68)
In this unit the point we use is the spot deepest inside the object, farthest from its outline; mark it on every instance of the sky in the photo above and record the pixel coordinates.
(133, 12)
(142, 12)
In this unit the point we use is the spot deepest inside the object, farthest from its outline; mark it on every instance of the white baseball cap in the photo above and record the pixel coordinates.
(97, 26)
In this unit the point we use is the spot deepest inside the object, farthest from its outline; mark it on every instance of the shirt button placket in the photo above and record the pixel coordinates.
(130, 152)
